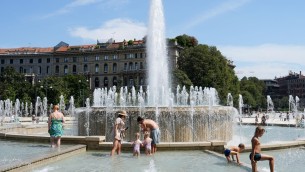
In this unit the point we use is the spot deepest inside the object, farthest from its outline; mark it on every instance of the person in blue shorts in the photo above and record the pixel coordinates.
(234, 150)
(255, 154)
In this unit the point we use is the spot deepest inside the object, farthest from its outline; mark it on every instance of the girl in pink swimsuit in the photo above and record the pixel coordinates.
(136, 145)
(147, 143)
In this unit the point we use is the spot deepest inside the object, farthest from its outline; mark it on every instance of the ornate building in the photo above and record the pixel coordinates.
(104, 64)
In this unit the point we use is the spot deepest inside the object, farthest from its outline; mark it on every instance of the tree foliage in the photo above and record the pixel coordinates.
(187, 41)
(206, 66)
(252, 90)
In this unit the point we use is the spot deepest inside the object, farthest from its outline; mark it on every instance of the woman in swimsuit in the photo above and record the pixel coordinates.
(256, 151)
(55, 126)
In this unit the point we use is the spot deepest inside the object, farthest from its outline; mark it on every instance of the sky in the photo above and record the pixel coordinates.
(264, 38)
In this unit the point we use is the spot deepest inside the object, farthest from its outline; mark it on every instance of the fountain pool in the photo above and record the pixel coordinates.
(273, 134)
(162, 161)
(13, 152)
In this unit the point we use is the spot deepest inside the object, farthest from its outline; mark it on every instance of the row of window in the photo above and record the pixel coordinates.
(22, 61)
(127, 82)
(127, 67)
(74, 59)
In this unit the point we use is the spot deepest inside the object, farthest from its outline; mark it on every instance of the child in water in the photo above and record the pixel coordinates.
(147, 143)
(234, 150)
(136, 145)
(255, 154)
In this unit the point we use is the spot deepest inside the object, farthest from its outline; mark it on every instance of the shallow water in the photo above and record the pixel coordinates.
(12, 152)
(177, 161)
(291, 160)
(273, 134)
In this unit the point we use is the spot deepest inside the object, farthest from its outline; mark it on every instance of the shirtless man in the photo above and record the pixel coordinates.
(256, 151)
(152, 126)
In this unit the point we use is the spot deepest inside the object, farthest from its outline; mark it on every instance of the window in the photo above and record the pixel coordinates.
(39, 60)
(115, 57)
(21, 70)
(2, 69)
(31, 60)
(48, 69)
(66, 59)
(106, 58)
(125, 66)
(21, 61)
(131, 56)
(39, 69)
(130, 66)
(31, 69)
(135, 55)
(141, 55)
(65, 69)
(97, 58)
(96, 82)
(2, 61)
(85, 59)
(57, 60)
(114, 68)
(11, 61)
(48, 60)
(57, 70)
(105, 68)
(130, 81)
(74, 59)
(114, 81)
(85, 68)
(74, 69)
(96, 68)
(125, 56)
(136, 66)
(105, 82)
(141, 65)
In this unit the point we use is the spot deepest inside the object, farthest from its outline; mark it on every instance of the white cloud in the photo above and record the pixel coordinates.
(118, 29)
(266, 61)
(221, 9)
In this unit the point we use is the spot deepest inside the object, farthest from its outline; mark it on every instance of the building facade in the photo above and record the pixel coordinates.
(104, 64)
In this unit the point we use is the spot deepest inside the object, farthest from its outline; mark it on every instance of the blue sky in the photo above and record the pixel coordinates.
(264, 38)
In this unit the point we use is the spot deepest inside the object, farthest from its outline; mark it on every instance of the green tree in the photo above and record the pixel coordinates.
(180, 78)
(186, 41)
(256, 89)
(206, 66)
(13, 85)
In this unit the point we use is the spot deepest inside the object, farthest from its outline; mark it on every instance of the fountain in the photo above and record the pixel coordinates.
(187, 116)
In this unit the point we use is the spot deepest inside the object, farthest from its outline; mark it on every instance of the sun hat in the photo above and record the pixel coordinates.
(122, 112)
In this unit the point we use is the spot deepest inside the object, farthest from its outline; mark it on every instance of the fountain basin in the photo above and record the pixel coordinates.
(177, 124)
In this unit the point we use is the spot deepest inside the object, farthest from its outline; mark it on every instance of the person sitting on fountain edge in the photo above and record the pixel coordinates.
(234, 150)
(152, 126)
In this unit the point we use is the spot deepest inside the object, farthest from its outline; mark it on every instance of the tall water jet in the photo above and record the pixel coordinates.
(188, 116)
(158, 71)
